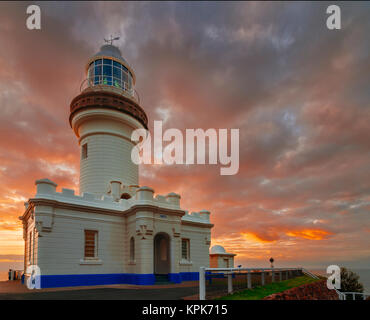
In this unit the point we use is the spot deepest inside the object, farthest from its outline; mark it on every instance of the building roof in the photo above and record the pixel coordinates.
(220, 250)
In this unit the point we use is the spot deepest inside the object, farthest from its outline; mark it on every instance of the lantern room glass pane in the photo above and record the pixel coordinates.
(98, 62)
(97, 74)
(107, 70)
(124, 76)
(117, 82)
(116, 64)
(97, 70)
(107, 75)
(91, 71)
(116, 73)
(90, 75)
(107, 80)
(107, 62)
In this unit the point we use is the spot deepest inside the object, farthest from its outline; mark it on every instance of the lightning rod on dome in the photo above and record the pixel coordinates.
(110, 41)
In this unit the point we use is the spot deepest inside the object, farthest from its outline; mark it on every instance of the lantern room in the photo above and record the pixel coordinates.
(109, 70)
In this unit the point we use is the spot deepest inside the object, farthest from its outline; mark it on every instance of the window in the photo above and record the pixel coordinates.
(84, 151)
(132, 249)
(185, 249)
(91, 240)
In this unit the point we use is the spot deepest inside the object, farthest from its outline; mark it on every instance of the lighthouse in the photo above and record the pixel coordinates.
(113, 231)
(103, 117)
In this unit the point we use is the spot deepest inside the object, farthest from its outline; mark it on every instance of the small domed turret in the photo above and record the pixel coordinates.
(218, 249)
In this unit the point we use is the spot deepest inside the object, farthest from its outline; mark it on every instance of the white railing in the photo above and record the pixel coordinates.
(112, 82)
(343, 295)
(308, 273)
(230, 271)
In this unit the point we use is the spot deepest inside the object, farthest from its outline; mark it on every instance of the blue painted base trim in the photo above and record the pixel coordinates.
(73, 280)
(174, 277)
(189, 276)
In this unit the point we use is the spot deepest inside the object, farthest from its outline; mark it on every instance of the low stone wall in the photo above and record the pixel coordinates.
(312, 291)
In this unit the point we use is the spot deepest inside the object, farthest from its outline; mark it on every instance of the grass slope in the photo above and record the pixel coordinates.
(260, 292)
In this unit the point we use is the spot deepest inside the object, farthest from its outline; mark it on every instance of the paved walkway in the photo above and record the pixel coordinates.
(14, 290)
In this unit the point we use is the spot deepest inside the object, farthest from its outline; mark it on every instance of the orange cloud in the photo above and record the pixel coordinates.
(256, 238)
(310, 234)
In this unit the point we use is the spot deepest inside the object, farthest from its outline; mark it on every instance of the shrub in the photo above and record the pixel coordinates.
(349, 281)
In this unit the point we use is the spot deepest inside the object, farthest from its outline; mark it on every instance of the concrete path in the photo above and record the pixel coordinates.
(13, 290)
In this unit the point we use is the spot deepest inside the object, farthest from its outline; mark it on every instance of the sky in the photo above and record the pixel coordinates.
(297, 91)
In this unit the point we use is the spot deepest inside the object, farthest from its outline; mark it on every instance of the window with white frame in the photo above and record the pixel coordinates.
(185, 249)
(91, 244)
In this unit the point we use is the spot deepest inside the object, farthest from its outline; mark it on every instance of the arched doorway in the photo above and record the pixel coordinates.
(161, 253)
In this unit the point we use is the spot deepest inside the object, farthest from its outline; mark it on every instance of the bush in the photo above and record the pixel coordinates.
(349, 281)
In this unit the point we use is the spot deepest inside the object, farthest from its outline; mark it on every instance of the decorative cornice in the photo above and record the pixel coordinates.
(106, 211)
(113, 212)
(110, 100)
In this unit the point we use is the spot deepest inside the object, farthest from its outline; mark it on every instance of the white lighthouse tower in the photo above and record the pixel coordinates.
(103, 117)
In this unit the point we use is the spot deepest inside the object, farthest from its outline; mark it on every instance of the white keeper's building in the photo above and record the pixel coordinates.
(114, 231)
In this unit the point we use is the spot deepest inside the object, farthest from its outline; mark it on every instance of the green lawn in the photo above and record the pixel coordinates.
(260, 292)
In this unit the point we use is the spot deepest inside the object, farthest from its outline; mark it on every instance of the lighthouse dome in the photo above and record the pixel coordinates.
(109, 50)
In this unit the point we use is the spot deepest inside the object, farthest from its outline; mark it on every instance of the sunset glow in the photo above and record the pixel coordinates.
(298, 92)
(309, 234)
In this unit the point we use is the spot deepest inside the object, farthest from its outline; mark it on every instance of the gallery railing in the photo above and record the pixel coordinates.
(104, 81)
